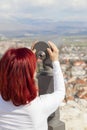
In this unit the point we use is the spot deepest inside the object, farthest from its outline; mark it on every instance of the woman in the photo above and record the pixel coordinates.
(21, 108)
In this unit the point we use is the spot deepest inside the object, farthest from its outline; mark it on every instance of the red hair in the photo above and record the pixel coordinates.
(17, 68)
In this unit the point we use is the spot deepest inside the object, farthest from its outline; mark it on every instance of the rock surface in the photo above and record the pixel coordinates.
(74, 114)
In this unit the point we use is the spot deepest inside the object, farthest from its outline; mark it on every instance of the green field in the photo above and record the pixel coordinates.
(75, 40)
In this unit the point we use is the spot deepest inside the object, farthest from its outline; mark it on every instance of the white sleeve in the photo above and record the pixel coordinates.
(50, 102)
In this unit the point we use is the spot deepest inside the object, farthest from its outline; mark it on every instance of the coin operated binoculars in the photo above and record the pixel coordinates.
(45, 81)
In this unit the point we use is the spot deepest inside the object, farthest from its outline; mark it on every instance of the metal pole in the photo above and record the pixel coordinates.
(45, 82)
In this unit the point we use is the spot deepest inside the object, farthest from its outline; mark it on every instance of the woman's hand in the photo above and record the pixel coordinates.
(53, 51)
(32, 47)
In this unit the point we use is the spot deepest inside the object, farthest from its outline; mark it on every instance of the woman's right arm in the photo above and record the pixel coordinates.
(57, 73)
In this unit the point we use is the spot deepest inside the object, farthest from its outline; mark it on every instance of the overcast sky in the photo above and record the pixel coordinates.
(11, 11)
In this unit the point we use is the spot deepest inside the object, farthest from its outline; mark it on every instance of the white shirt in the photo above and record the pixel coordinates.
(33, 116)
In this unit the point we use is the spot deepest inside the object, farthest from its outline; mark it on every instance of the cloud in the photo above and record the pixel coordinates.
(43, 2)
(14, 11)
(79, 4)
(7, 5)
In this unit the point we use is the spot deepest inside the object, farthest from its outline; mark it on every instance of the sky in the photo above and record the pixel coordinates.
(16, 13)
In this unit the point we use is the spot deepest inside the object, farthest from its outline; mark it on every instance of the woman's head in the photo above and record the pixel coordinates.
(17, 68)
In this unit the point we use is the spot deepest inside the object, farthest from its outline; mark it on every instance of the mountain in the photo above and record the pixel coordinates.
(34, 27)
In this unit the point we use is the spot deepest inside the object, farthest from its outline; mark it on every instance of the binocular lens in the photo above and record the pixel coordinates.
(41, 55)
